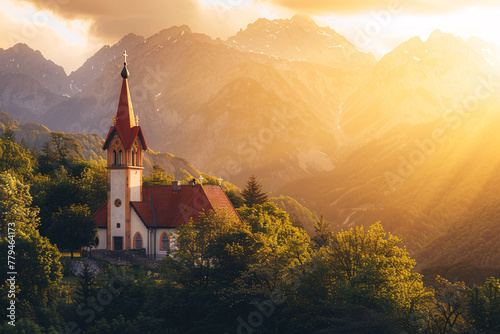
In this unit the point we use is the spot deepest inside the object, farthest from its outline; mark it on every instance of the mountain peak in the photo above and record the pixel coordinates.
(131, 38)
(22, 47)
(437, 35)
(304, 20)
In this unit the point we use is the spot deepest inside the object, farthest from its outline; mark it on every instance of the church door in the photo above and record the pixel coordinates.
(118, 242)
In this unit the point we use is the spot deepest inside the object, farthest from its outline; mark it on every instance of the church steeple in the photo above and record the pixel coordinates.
(125, 121)
(125, 145)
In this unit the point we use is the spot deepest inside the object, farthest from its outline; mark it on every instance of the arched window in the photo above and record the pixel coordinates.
(115, 162)
(120, 157)
(96, 241)
(165, 242)
(138, 241)
(133, 158)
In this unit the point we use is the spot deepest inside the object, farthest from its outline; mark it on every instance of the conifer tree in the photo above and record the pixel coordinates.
(86, 285)
(322, 232)
(9, 135)
(252, 194)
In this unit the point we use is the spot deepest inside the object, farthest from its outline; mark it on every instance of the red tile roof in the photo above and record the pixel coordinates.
(220, 201)
(101, 216)
(175, 208)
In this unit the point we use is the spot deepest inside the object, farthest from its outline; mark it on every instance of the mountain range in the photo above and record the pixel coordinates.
(409, 139)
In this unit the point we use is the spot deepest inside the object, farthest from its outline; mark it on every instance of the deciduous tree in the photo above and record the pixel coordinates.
(72, 227)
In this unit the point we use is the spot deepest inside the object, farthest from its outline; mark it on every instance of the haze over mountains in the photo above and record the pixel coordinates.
(410, 139)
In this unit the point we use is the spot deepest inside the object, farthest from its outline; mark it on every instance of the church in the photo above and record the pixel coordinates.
(145, 217)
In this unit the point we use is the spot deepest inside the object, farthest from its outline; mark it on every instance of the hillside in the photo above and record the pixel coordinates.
(35, 135)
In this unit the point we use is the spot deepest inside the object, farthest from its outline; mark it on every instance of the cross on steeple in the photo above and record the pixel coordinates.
(125, 55)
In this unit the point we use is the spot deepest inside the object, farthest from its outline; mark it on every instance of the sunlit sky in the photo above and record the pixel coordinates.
(70, 31)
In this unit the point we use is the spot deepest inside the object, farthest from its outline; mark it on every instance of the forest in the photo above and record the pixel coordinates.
(263, 274)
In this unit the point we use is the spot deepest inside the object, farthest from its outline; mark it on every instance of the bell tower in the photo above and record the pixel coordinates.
(124, 145)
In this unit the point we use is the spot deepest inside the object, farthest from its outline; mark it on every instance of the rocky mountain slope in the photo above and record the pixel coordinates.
(422, 153)
(300, 39)
(232, 113)
(94, 66)
(21, 59)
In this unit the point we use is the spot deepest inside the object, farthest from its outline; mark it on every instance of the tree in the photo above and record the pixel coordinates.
(9, 135)
(36, 260)
(158, 177)
(38, 272)
(322, 232)
(198, 252)
(87, 286)
(282, 246)
(368, 268)
(483, 306)
(15, 160)
(87, 186)
(46, 159)
(252, 194)
(64, 147)
(72, 227)
(15, 206)
(235, 198)
(448, 305)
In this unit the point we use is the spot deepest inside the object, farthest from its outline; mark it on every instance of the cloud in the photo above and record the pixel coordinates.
(106, 22)
(112, 19)
(325, 7)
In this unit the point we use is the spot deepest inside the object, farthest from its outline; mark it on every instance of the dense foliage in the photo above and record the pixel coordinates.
(258, 274)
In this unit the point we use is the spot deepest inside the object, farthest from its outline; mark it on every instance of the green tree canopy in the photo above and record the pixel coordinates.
(9, 135)
(64, 147)
(252, 194)
(16, 160)
(38, 272)
(72, 227)
(204, 247)
(367, 268)
(158, 177)
(483, 306)
(87, 186)
(15, 206)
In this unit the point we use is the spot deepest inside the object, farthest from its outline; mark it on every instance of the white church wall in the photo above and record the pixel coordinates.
(136, 225)
(117, 191)
(135, 181)
(102, 234)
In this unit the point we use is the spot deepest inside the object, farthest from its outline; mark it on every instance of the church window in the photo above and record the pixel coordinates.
(133, 158)
(96, 241)
(118, 202)
(117, 225)
(120, 157)
(114, 158)
(138, 241)
(165, 242)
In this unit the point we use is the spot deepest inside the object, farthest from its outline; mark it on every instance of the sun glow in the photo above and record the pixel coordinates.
(34, 22)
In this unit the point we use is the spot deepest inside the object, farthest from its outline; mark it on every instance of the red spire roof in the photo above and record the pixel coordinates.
(124, 120)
